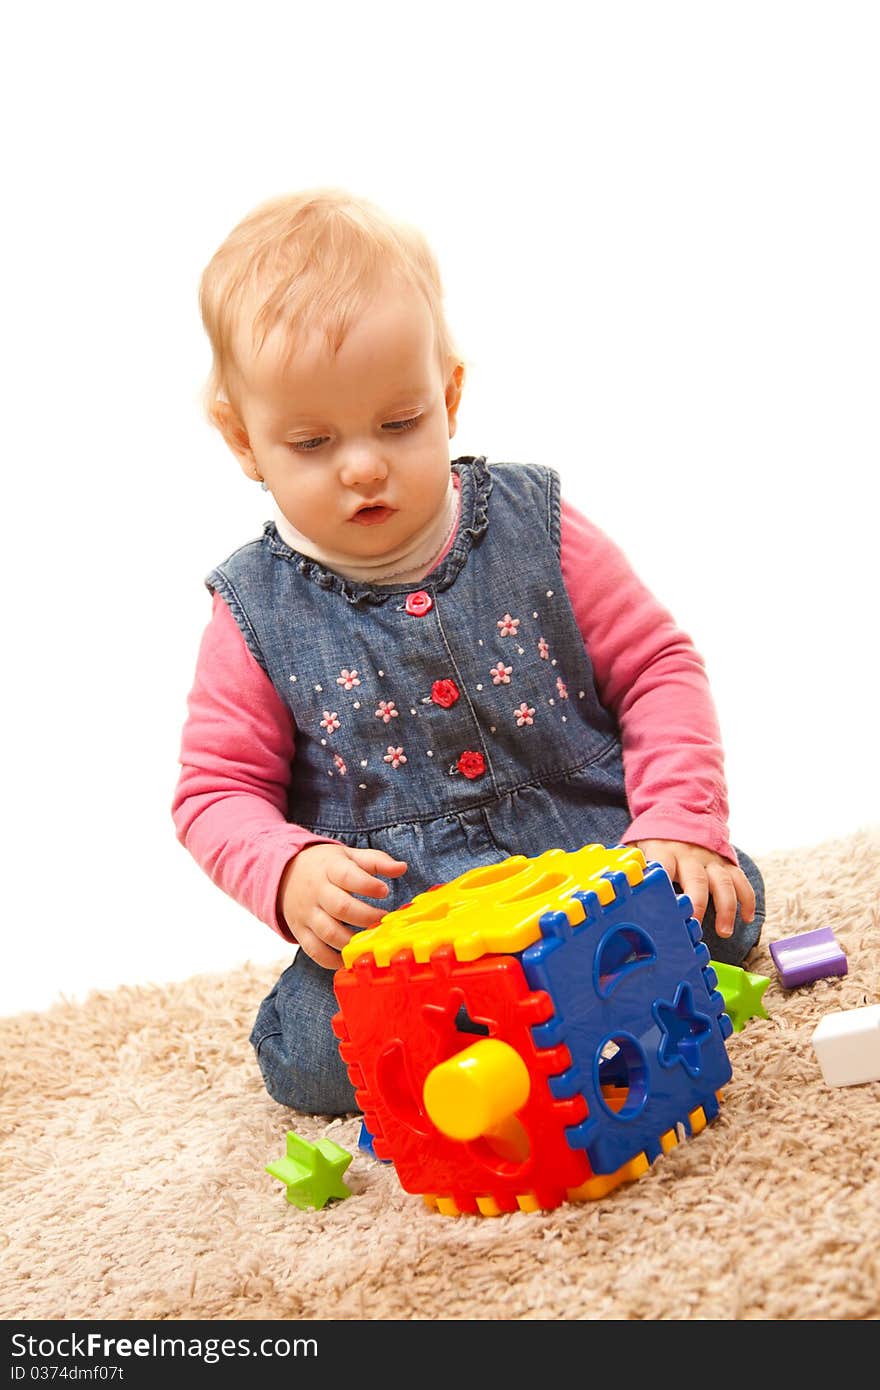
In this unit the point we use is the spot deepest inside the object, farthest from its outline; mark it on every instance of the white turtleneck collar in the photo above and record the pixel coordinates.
(409, 563)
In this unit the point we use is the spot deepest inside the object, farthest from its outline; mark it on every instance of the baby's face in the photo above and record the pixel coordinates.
(355, 448)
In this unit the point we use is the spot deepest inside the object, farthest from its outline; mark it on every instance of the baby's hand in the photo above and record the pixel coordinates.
(701, 872)
(315, 896)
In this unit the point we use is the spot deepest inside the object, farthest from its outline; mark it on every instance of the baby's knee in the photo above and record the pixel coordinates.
(311, 1084)
(297, 1050)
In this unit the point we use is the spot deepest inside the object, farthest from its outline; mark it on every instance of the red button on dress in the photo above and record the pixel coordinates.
(418, 603)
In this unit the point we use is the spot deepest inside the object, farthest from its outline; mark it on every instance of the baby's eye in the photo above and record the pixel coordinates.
(398, 426)
(307, 445)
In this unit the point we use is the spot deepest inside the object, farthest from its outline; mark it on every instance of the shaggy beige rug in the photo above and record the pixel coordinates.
(134, 1134)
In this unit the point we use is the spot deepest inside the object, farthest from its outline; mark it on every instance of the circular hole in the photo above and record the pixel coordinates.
(547, 883)
(621, 1076)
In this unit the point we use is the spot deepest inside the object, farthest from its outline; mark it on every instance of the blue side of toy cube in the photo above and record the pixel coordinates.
(631, 977)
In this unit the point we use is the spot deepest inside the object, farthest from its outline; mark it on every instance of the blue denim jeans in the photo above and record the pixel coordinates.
(297, 1049)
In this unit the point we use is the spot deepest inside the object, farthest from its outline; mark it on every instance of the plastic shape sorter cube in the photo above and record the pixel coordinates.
(535, 1031)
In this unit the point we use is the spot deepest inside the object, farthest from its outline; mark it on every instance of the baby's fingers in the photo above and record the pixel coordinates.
(746, 895)
(695, 882)
(323, 939)
(346, 909)
(376, 861)
(724, 897)
(351, 877)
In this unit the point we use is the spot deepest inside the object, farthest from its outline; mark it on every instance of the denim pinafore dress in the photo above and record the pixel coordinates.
(451, 722)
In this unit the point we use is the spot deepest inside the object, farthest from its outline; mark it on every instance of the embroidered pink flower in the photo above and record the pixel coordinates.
(340, 763)
(386, 711)
(444, 693)
(543, 649)
(524, 715)
(330, 721)
(347, 678)
(507, 626)
(500, 674)
(394, 756)
(471, 765)
(562, 688)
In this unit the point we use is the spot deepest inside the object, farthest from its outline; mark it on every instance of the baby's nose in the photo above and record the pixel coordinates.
(363, 463)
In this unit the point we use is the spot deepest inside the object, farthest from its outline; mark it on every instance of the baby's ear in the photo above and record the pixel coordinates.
(453, 395)
(228, 422)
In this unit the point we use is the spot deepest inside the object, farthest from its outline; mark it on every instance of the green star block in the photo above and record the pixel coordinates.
(312, 1173)
(742, 993)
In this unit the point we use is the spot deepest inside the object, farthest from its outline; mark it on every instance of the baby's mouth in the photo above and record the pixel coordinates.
(372, 515)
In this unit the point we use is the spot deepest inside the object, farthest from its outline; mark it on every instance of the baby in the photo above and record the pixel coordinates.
(422, 664)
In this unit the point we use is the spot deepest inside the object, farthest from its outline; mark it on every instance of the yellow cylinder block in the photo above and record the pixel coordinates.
(475, 1091)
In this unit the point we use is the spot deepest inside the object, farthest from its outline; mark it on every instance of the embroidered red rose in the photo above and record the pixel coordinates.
(444, 693)
(471, 765)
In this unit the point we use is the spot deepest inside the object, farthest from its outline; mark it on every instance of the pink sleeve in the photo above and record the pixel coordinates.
(237, 747)
(649, 675)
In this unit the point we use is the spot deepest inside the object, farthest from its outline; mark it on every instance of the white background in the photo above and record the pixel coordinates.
(658, 226)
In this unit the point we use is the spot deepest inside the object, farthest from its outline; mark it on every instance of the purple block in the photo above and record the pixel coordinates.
(810, 956)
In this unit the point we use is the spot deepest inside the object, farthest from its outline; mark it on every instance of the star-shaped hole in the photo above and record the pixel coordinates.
(684, 1030)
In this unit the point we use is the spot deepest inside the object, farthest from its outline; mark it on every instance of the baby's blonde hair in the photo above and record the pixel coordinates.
(310, 260)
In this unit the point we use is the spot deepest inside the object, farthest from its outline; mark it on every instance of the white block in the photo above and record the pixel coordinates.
(847, 1045)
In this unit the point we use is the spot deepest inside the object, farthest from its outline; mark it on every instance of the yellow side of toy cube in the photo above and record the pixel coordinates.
(495, 909)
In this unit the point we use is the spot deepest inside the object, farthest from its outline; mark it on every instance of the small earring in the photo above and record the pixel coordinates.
(260, 479)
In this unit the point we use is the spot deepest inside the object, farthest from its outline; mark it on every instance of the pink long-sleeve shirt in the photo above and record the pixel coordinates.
(239, 741)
